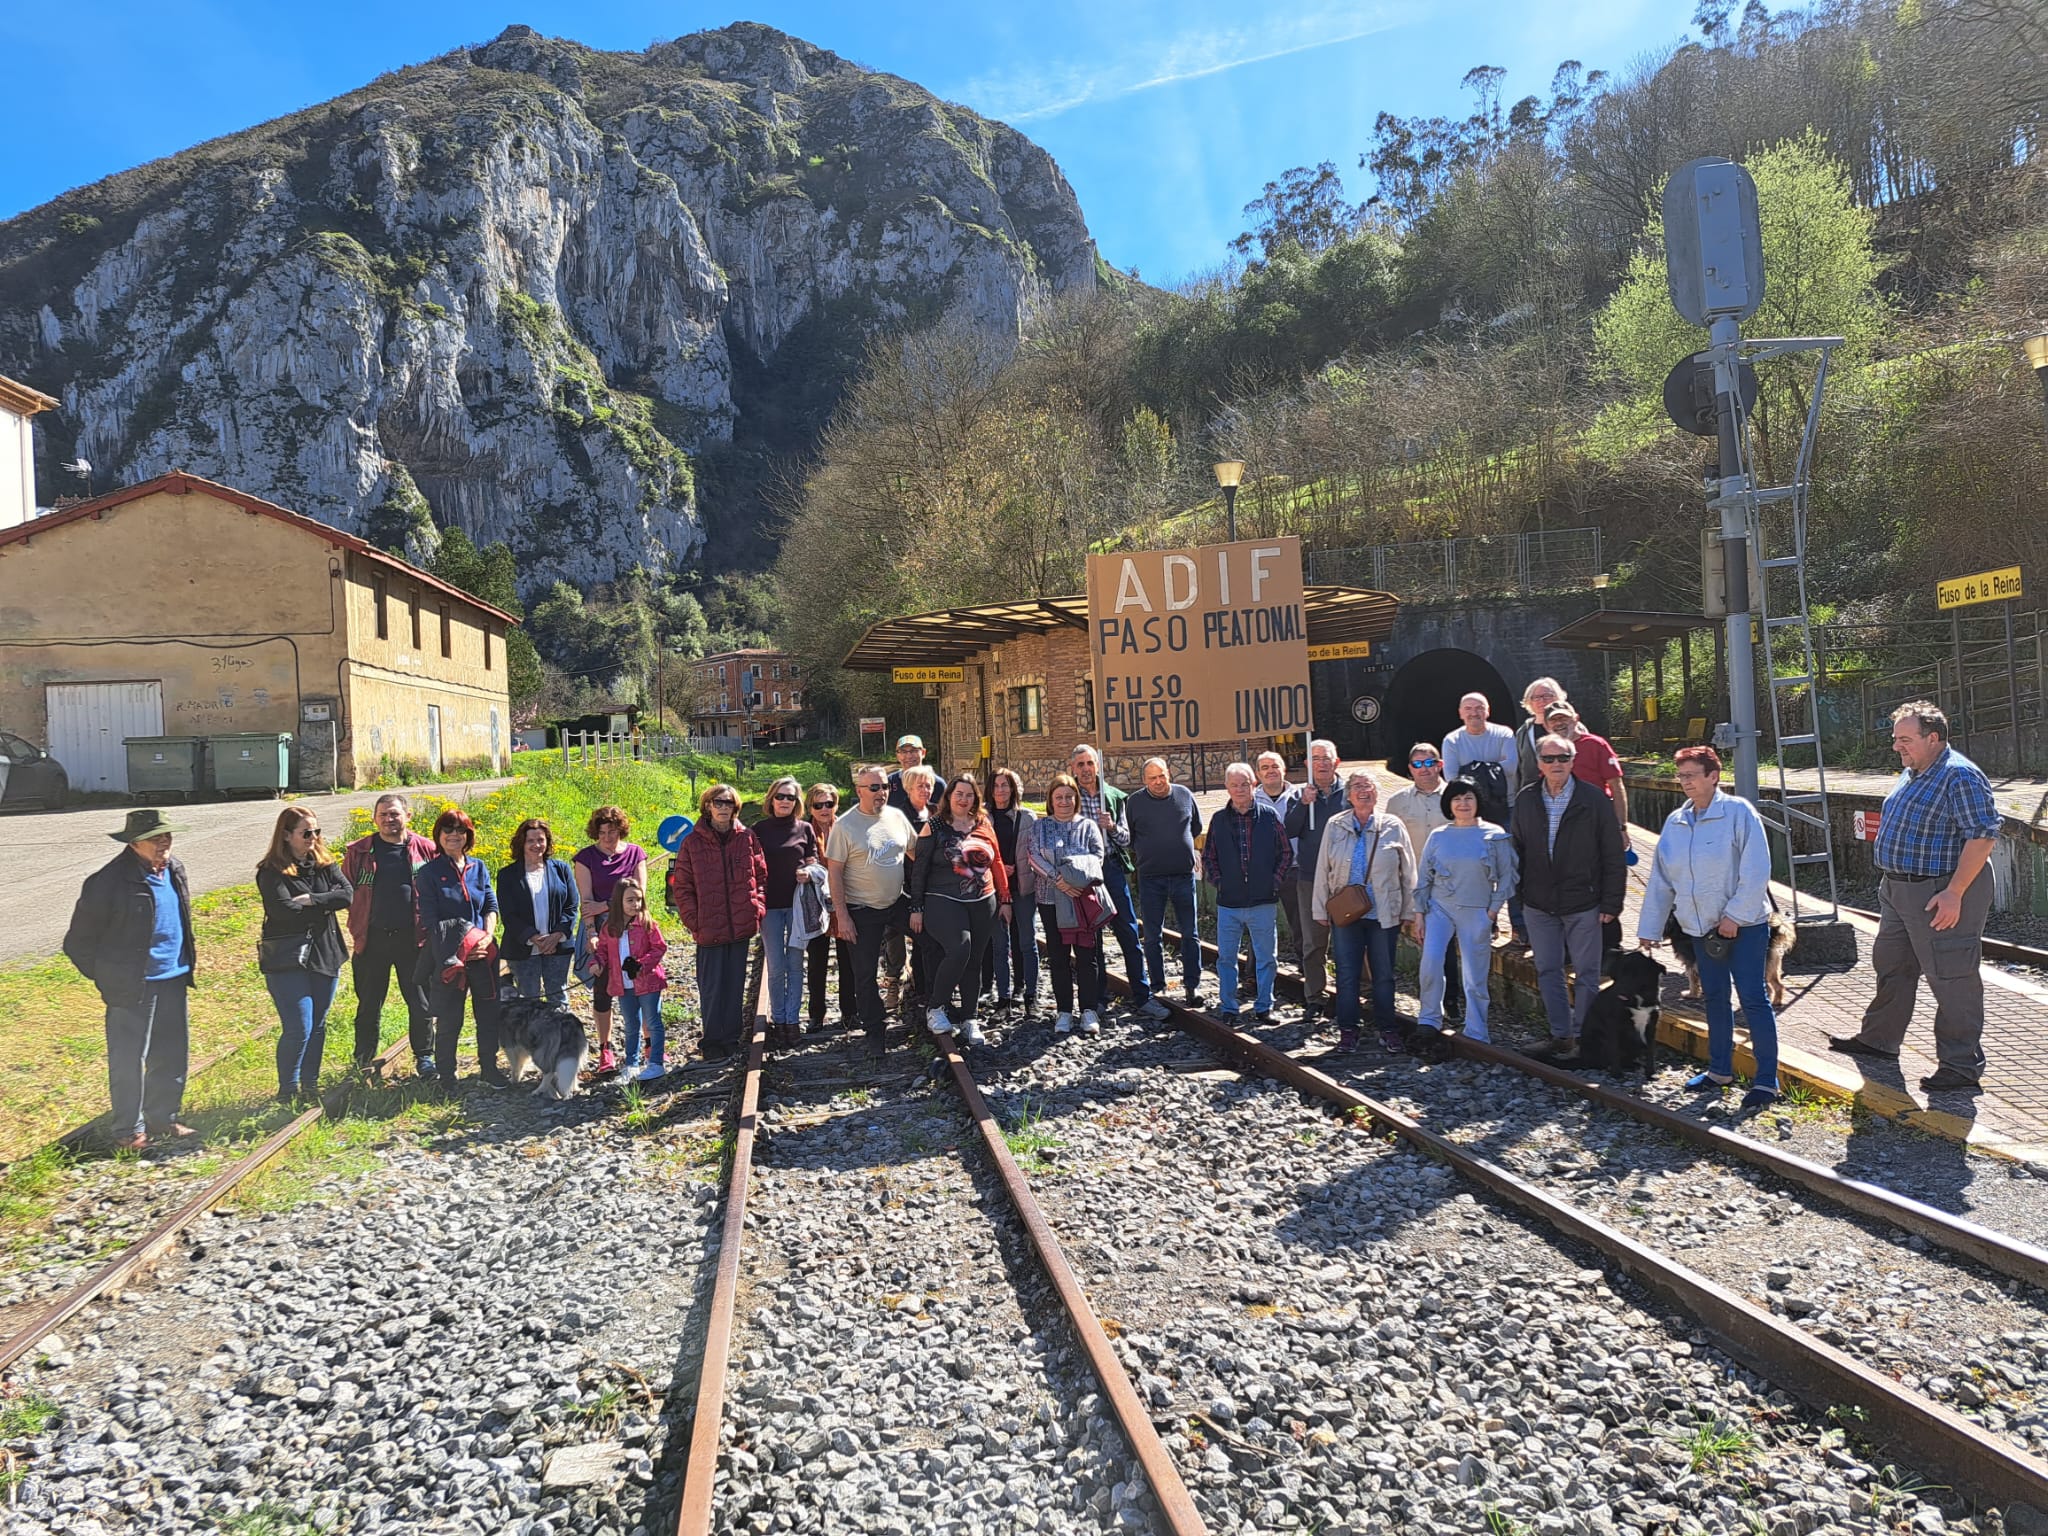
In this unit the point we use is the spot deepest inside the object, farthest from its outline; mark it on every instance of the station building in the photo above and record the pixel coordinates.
(1025, 686)
(179, 607)
(754, 684)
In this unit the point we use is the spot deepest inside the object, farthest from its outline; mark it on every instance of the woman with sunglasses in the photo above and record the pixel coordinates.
(959, 891)
(300, 949)
(823, 801)
(790, 846)
(719, 881)
(607, 860)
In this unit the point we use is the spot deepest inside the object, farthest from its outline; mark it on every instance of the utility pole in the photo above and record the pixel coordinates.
(1726, 333)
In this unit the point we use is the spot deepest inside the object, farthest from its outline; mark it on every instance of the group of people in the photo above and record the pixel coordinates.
(926, 902)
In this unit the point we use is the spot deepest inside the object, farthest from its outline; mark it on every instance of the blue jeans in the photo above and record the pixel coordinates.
(1013, 948)
(302, 999)
(1125, 926)
(1473, 929)
(543, 975)
(1352, 948)
(642, 1011)
(1232, 923)
(785, 967)
(1156, 891)
(148, 1050)
(1745, 968)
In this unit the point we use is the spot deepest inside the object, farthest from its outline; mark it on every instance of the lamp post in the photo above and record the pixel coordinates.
(2037, 356)
(1229, 475)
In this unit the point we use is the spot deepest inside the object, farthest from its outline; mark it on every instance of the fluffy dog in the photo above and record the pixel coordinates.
(545, 1036)
(1685, 947)
(1621, 1030)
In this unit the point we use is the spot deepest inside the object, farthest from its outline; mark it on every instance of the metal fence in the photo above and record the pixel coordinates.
(1548, 560)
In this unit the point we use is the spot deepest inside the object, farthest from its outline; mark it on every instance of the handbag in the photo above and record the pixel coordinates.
(286, 954)
(1353, 901)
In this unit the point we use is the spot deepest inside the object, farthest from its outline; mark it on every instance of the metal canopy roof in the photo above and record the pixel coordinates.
(1621, 629)
(1336, 615)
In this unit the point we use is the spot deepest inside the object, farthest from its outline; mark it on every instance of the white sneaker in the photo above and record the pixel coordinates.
(1155, 1009)
(653, 1072)
(1090, 1024)
(970, 1034)
(940, 1022)
(1063, 1025)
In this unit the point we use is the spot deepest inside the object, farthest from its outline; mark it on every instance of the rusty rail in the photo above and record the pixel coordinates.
(1177, 1509)
(2010, 1256)
(138, 1256)
(700, 1466)
(1824, 1377)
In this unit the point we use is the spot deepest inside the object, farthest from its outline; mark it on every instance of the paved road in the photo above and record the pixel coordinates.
(47, 856)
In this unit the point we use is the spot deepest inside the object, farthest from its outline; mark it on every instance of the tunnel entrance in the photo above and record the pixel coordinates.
(1422, 700)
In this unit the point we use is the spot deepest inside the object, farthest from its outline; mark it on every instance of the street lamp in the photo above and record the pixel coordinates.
(1230, 474)
(2037, 355)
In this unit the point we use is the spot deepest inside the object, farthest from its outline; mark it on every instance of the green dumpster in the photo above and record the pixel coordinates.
(164, 765)
(250, 760)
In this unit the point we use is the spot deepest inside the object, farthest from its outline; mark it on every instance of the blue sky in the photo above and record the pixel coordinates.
(1167, 118)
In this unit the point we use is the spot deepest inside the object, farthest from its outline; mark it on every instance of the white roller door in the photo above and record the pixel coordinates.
(89, 722)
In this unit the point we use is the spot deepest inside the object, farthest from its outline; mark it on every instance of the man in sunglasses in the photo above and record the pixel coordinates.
(865, 856)
(1420, 809)
(1573, 878)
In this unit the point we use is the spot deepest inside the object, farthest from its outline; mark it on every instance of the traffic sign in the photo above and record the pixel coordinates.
(875, 723)
(1984, 587)
(1365, 710)
(1345, 651)
(1863, 826)
(927, 674)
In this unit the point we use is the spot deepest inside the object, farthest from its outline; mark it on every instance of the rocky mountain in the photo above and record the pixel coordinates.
(527, 288)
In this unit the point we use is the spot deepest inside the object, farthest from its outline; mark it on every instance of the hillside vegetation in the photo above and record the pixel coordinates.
(1477, 347)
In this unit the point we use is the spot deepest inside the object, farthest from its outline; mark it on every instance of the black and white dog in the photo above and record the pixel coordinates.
(543, 1035)
(1621, 1030)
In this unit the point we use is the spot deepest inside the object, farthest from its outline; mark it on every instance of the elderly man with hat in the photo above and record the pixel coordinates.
(131, 936)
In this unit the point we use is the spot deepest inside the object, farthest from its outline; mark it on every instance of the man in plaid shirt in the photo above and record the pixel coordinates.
(1934, 837)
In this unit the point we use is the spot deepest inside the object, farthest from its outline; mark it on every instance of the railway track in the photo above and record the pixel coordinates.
(135, 1260)
(1991, 1464)
(972, 1293)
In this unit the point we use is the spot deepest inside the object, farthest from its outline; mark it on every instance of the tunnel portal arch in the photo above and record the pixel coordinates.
(1421, 702)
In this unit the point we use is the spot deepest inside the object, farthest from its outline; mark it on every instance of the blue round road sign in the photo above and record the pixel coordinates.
(670, 833)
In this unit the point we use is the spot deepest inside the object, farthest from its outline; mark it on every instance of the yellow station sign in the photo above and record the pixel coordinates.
(927, 674)
(1348, 651)
(1984, 587)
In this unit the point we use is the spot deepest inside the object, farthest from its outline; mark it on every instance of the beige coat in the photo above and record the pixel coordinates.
(1392, 875)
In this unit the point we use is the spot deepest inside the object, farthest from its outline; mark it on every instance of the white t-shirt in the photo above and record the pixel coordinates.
(871, 847)
(537, 883)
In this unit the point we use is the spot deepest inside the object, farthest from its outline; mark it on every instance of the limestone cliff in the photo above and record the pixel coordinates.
(518, 287)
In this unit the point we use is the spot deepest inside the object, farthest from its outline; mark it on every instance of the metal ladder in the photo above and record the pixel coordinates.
(1792, 631)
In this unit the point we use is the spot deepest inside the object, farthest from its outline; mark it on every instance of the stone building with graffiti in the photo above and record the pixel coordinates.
(179, 607)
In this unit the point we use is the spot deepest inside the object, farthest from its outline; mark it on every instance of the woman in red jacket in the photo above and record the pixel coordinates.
(719, 883)
(631, 948)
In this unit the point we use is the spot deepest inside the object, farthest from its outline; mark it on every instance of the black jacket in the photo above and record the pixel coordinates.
(1308, 818)
(112, 925)
(1587, 870)
(515, 907)
(331, 894)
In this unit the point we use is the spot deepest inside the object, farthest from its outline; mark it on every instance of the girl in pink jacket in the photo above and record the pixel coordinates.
(631, 949)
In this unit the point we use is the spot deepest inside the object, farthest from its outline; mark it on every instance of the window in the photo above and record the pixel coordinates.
(1084, 705)
(415, 618)
(1026, 710)
(778, 698)
(796, 700)
(447, 632)
(721, 671)
(777, 671)
(380, 592)
(487, 647)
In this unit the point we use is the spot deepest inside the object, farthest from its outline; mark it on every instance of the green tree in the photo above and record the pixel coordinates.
(1820, 276)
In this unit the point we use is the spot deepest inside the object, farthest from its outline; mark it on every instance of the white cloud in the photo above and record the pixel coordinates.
(1146, 64)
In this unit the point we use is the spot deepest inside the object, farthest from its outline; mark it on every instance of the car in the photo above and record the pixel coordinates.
(31, 777)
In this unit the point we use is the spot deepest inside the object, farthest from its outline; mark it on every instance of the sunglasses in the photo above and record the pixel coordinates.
(782, 794)
(1422, 762)
(724, 805)
(871, 789)
(823, 805)
(1553, 757)
(305, 832)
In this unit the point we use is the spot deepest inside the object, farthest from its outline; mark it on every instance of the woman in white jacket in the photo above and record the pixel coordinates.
(1713, 872)
(1365, 846)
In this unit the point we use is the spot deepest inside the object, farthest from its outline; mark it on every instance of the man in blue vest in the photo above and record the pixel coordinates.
(1246, 858)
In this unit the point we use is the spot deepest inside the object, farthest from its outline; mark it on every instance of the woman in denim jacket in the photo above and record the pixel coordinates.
(1713, 873)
